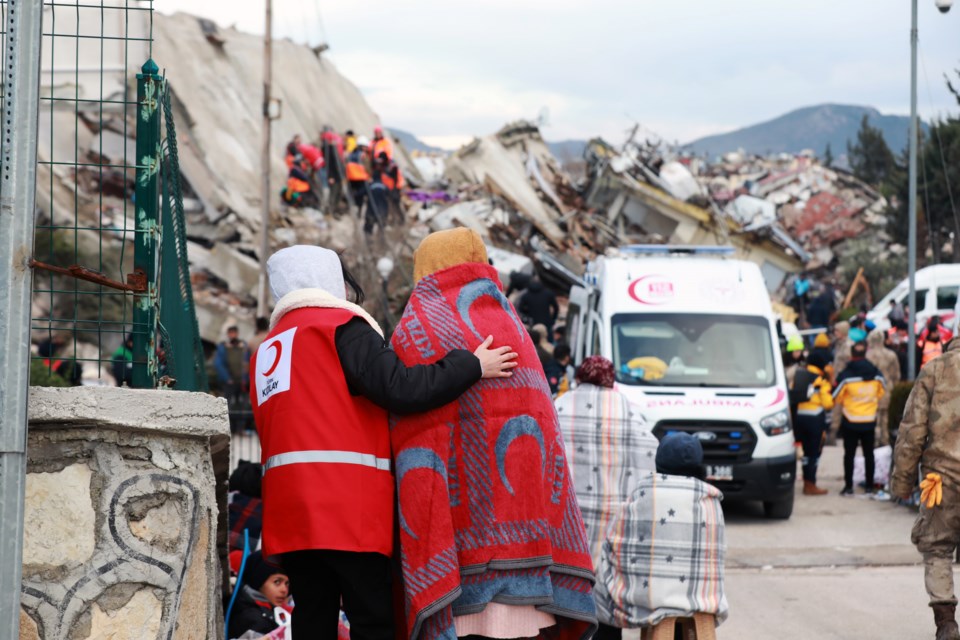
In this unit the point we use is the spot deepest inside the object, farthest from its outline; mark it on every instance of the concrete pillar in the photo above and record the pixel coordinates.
(121, 515)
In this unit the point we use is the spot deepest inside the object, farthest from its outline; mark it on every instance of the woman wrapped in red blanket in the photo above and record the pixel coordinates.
(491, 538)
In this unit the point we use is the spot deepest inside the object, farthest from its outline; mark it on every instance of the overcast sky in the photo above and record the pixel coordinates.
(447, 70)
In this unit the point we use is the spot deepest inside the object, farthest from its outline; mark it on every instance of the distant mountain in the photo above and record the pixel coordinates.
(568, 150)
(412, 142)
(807, 128)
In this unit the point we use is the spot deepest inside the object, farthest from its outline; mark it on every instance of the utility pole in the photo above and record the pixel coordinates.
(265, 160)
(18, 185)
(912, 205)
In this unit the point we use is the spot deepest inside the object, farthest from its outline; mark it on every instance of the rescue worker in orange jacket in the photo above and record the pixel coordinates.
(387, 173)
(356, 169)
(931, 348)
(298, 192)
(321, 384)
(380, 144)
(858, 393)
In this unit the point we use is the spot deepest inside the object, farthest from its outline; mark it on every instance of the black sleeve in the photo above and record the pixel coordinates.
(554, 307)
(374, 371)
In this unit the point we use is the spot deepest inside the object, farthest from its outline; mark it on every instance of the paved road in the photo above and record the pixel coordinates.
(839, 569)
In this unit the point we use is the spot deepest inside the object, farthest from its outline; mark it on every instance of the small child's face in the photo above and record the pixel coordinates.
(276, 589)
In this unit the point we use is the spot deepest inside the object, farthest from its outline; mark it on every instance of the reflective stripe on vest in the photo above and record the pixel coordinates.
(327, 457)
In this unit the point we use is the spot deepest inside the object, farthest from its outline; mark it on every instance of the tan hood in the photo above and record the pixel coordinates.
(445, 249)
(875, 339)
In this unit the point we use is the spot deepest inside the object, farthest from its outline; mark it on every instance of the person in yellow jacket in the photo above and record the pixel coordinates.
(858, 393)
(349, 141)
(811, 419)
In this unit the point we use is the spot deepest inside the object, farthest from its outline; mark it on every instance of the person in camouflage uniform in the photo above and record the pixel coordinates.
(885, 360)
(841, 358)
(930, 436)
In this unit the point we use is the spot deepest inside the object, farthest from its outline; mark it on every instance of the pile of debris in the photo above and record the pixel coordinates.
(822, 207)
(514, 192)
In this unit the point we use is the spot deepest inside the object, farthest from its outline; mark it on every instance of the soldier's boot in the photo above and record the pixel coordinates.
(811, 489)
(945, 617)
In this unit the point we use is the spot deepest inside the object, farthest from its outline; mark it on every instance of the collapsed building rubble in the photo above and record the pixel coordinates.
(821, 207)
(507, 186)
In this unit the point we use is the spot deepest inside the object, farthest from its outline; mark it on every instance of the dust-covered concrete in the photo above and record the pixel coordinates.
(122, 513)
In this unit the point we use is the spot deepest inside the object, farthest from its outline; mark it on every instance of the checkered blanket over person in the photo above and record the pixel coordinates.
(608, 449)
(663, 555)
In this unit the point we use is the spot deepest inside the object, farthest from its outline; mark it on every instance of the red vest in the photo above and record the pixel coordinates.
(326, 454)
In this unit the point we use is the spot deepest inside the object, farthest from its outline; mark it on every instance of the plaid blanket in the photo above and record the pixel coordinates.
(608, 448)
(663, 555)
(486, 511)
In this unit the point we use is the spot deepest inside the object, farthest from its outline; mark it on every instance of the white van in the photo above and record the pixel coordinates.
(694, 343)
(936, 295)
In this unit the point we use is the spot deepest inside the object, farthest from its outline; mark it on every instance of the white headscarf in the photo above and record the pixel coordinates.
(305, 267)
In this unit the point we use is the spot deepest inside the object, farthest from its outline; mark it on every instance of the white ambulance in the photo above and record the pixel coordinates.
(694, 343)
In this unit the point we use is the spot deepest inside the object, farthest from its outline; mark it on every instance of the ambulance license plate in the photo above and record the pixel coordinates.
(719, 472)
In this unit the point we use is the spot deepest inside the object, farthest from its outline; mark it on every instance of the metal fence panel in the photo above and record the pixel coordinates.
(87, 233)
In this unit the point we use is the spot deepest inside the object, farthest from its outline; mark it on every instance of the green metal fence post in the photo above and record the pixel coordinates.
(147, 236)
(178, 315)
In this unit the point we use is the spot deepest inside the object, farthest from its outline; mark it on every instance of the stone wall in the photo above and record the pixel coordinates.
(121, 515)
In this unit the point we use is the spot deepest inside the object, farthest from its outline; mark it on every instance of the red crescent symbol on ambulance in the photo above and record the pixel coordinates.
(780, 395)
(273, 367)
(648, 296)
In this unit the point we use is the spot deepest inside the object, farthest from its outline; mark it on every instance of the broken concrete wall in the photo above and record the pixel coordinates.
(220, 101)
(509, 164)
(121, 515)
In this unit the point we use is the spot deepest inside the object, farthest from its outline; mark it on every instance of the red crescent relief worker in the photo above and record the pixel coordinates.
(380, 144)
(322, 382)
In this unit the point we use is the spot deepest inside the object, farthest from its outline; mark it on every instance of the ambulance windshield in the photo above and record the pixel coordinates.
(689, 350)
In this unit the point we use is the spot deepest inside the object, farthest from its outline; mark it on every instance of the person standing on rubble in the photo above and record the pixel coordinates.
(358, 179)
(538, 305)
(349, 141)
(929, 438)
(380, 144)
(331, 145)
(321, 385)
(387, 173)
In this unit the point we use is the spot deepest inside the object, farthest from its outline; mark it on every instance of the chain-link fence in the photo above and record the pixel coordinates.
(86, 281)
(112, 303)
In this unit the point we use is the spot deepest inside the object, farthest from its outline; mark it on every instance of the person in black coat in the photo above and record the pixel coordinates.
(539, 306)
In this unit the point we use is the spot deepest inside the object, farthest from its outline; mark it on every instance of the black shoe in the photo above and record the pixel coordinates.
(847, 491)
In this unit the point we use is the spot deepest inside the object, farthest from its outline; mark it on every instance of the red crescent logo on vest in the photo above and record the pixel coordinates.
(279, 347)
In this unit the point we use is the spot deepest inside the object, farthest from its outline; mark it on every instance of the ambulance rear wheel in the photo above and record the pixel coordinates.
(779, 509)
